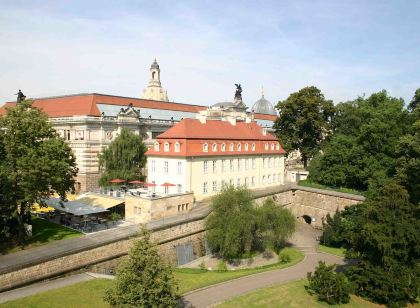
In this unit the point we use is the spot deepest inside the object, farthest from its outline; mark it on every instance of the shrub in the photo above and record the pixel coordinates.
(329, 286)
(222, 266)
(202, 265)
(284, 257)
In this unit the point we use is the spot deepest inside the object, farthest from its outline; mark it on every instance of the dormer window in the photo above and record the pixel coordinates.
(272, 146)
(231, 147)
(166, 147)
(266, 146)
(253, 147)
(277, 146)
(214, 147)
(239, 147)
(223, 147)
(246, 146)
(177, 147)
(205, 147)
(157, 146)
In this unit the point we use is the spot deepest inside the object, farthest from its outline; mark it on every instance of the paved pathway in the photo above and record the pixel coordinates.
(304, 240)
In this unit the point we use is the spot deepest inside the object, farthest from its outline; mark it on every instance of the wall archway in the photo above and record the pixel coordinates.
(307, 219)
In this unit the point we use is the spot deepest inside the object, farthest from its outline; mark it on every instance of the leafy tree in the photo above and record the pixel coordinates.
(232, 225)
(143, 280)
(387, 247)
(34, 163)
(362, 152)
(329, 286)
(304, 122)
(237, 227)
(124, 158)
(275, 224)
(415, 101)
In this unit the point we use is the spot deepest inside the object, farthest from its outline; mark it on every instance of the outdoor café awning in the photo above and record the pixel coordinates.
(76, 207)
(101, 201)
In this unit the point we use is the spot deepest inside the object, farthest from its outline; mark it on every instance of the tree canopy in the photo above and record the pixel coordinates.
(362, 152)
(34, 163)
(304, 121)
(143, 279)
(237, 226)
(124, 158)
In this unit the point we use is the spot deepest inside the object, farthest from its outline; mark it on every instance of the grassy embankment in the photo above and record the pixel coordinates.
(331, 250)
(308, 183)
(90, 293)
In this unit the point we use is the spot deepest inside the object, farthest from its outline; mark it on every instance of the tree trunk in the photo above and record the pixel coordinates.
(305, 162)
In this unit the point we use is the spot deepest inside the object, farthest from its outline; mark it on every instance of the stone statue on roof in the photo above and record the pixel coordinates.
(20, 96)
(238, 92)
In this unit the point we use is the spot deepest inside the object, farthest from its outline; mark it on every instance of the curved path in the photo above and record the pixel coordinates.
(304, 240)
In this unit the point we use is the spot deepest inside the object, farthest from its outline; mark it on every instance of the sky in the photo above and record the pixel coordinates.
(345, 48)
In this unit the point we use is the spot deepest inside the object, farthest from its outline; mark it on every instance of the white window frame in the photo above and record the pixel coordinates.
(223, 147)
(177, 147)
(239, 147)
(214, 147)
(205, 166)
(214, 166)
(205, 188)
(214, 186)
(272, 147)
(246, 147)
(232, 165)
(253, 147)
(179, 188)
(266, 146)
(157, 146)
(254, 164)
(179, 168)
(223, 165)
(166, 167)
(253, 181)
(153, 166)
(205, 147)
(231, 147)
(166, 147)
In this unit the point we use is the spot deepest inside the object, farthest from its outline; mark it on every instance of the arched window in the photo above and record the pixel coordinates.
(166, 147)
(205, 147)
(272, 146)
(266, 146)
(277, 146)
(214, 147)
(231, 147)
(253, 147)
(239, 147)
(223, 147)
(246, 146)
(177, 147)
(157, 146)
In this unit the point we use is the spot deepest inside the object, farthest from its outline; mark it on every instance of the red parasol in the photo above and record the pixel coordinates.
(136, 182)
(117, 181)
(167, 184)
(149, 184)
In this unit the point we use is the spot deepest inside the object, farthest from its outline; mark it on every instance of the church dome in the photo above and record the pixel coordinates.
(263, 106)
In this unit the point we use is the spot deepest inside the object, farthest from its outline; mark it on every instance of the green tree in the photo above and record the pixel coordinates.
(232, 224)
(143, 279)
(328, 285)
(304, 121)
(34, 163)
(415, 101)
(275, 224)
(362, 152)
(387, 248)
(124, 158)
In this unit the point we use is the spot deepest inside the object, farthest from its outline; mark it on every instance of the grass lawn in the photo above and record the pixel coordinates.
(292, 294)
(90, 293)
(308, 183)
(331, 250)
(44, 231)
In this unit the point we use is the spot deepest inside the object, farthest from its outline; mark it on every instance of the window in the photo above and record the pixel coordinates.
(263, 162)
(137, 210)
(277, 162)
(246, 163)
(223, 183)
(166, 189)
(166, 147)
(263, 179)
(205, 147)
(246, 182)
(214, 166)
(274, 178)
(253, 163)
(67, 134)
(266, 146)
(253, 147)
(269, 179)
(238, 182)
(223, 165)
(166, 167)
(232, 167)
(278, 146)
(239, 164)
(253, 181)
(278, 177)
(214, 186)
(246, 146)
(231, 182)
(179, 169)
(177, 147)
(80, 135)
(214, 147)
(156, 146)
(153, 167)
(239, 147)
(223, 147)
(205, 166)
(231, 147)
(272, 146)
(179, 188)
(205, 188)
(270, 162)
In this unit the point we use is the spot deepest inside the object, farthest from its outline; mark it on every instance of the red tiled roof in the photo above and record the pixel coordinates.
(215, 129)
